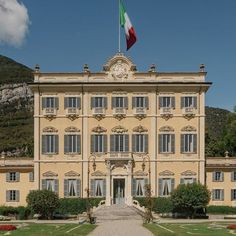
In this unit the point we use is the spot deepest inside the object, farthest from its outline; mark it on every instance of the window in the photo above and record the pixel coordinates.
(72, 187)
(166, 143)
(187, 180)
(49, 144)
(13, 177)
(139, 187)
(98, 143)
(218, 194)
(188, 143)
(72, 102)
(166, 186)
(119, 143)
(50, 102)
(98, 102)
(233, 176)
(167, 102)
(188, 102)
(31, 176)
(233, 194)
(72, 143)
(98, 187)
(218, 176)
(140, 143)
(140, 102)
(119, 102)
(50, 184)
(12, 196)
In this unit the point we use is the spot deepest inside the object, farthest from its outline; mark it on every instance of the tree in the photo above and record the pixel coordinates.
(189, 198)
(148, 217)
(43, 202)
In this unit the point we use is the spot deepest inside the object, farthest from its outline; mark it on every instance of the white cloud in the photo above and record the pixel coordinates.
(14, 22)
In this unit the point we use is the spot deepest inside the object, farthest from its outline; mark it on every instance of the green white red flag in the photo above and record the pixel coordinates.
(128, 27)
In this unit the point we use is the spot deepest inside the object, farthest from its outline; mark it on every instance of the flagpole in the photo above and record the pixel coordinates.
(119, 28)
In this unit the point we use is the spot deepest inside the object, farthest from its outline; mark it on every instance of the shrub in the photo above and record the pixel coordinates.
(43, 202)
(221, 210)
(21, 213)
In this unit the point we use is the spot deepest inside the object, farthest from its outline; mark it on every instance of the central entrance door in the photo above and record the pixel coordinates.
(119, 191)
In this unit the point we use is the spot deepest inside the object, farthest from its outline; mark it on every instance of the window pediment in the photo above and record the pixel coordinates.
(140, 129)
(72, 129)
(50, 174)
(119, 129)
(166, 129)
(99, 129)
(140, 173)
(188, 173)
(189, 128)
(72, 174)
(50, 129)
(166, 173)
(98, 173)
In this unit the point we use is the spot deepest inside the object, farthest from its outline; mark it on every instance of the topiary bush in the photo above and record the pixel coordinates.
(21, 212)
(221, 210)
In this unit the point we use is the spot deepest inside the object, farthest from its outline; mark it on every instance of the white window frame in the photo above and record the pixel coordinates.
(140, 143)
(140, 188)
(218, 194)
(217, 176)
(188, 143)
(98, 183)
(99, 143)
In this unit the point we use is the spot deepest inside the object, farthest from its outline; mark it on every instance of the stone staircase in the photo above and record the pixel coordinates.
(117, 212)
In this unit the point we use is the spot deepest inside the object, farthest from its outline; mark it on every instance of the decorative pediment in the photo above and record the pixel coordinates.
(72, 174)
(166, 173)
(189, 128)
(119, 129)
(72, 129)
(166, 129)
(140, 173)
(98, 173)
(140, 129)
(50, 129)
(99, 129)
(50, 174)
(188, 173)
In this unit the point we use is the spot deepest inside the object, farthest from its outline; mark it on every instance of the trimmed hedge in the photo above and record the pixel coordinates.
(221, 210)
(21, 213)
(74, 206)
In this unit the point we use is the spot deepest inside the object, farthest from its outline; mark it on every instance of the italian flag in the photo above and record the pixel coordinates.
(127, 25)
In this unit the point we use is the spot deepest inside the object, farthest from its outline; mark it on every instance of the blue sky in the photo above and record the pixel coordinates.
(175, 35)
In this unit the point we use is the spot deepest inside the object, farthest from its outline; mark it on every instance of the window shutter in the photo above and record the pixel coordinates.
(113, 105)
(133, 102)
(66, 144)
(104, 143)
(222, 176)
(232, 176)
(7, 177)
(78, 183)
(232, 194)
(195, 143)
(92, 186)
(182, 102)
(145, 183)
(78, 148)
(112, 143)
(146, 143)
(160, 137)
(181, 180)
(125, 102)
(43, 103)
(44, 184)
(173, 102)
(31, 176)
(17, 195)
(182, 143)
(56, 144)
(105, 102)
(213, 195)
(78, 102)
(146, 102)
(66, 187)
(56, 185)
(172, 143)
(160, 102)
(92, 102)
(104, 188)
(214, 176)
(133, 142)
(172, 184)
(66, 102)
(126, 142)
(17, 176)
(92, 147)
(44, 144)
(195, 102)
(56, 103)
(222, 195)
(160, 183)
(134, 187)
(8, 196)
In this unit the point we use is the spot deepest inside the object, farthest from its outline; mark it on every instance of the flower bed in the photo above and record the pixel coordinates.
(7, 227)
(231, 227)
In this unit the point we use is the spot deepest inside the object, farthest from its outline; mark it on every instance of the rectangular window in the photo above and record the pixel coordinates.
(218, 194)
(218, 176)
(166, 186)
(31, 176)
(167, 102)
(119, 143)
(166, 143)
(188, 143)
(98, 143)
(49, 144)
(119, 102)
(140, 187)
(72, 102)
(140, 102)
(12, 195)
(50, 184)
(72, 143)
(189, 102)
(233, 194)
(233, 176)
(13, 177)
(49, 102)
(72, 187)
(98, 184)
(140, 143)
(98, 102)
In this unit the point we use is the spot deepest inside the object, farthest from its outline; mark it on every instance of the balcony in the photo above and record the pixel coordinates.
(119, 112)
(189, 112)
(72, 111)
(99, 112)
(120, 156)
(50, 112)
(166, 112)
(140, 112)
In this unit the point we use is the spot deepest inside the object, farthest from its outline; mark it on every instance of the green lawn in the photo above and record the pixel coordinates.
(51, 229)
(216, 229)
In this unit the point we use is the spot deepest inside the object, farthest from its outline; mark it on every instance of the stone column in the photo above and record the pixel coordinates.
(129, 184)
(108, 184)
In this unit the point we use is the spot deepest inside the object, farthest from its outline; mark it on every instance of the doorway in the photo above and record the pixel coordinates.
(119, 191)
